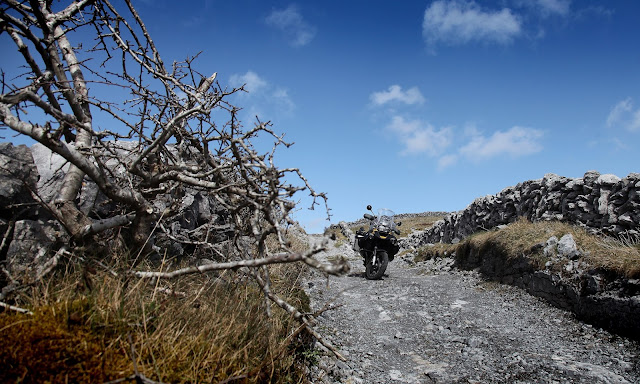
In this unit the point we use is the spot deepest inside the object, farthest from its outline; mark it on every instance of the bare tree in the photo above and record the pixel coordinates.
(162, 106)
(141, 130)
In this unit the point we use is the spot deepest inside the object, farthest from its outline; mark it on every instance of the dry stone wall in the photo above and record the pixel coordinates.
(600, 202)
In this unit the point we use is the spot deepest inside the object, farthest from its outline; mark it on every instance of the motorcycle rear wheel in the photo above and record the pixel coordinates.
(375, 271)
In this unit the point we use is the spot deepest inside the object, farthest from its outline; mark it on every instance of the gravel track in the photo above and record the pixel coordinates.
(431, 323)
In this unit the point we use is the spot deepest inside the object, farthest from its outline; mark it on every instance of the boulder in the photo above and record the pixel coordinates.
(567, 246)
(32, 245)
(18, 177)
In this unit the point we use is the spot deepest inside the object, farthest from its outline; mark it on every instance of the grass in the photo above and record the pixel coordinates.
(418, 223)
(520, 238)
(198, 328)
(335, 233)
(434, 251)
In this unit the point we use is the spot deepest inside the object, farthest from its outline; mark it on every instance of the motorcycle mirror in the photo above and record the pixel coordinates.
(369, 207)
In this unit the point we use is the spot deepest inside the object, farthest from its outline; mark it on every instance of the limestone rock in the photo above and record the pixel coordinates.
(199, 217)
(567, 246)
(33, 242)
(18, 176)
(603, 203)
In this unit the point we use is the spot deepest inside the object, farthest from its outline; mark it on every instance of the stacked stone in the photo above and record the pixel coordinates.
(603, 203)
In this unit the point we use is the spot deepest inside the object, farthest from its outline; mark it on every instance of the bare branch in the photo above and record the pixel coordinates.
(47, 267)
(14, 308)
(102, 225)
(274, 259)
(306, 320)
(71, 154)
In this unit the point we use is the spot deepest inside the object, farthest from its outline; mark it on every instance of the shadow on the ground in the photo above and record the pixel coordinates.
(362, 276)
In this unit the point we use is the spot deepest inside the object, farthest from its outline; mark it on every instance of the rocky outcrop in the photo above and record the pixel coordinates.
(603, 203)
(30, 176)
(346, 231)
(18, 176)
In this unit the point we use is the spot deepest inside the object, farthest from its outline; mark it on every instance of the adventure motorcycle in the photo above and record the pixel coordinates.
(378, 245)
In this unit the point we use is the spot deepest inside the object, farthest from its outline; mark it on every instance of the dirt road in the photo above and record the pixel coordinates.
(430, 323)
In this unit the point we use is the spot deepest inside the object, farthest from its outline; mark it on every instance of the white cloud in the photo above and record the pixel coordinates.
(282, 100)
(516, 142)
(395, 93)
(623, 115)
(419, 137)
(252, 82)
(634, 124)
(293, 25)
(545, 8)
(559, 7)
(262, 96)
(458, 22)
(447, 161)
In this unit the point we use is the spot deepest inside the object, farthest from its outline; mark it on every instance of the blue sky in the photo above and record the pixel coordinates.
(423, 105)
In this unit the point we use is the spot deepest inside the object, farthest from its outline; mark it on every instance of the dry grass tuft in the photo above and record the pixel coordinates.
(434, 251)
(521, 237)
(612, 254)
(296, 239)
(418, 223)
(198, 328)
(336, 233)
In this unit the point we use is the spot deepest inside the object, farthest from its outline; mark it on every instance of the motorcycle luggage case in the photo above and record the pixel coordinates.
(360, 234)
(356, 243)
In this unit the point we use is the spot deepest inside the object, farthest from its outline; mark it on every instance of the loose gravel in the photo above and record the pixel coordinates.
(431, 323)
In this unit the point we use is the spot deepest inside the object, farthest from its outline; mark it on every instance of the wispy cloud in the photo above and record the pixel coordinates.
(623, 115)
(457, 22)
(558, 7)
(396, 94)
(515, 142)
(289, 20)
(262, 96)
(420, 137)
(545, 8)
(251, 81)
(449, 145)
(448, 148)
(282, 100)
(447, 161)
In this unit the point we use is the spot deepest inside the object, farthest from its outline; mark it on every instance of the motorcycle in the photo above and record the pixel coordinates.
(378, 245)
